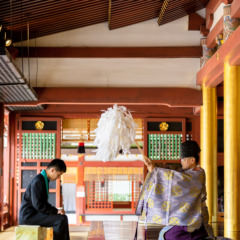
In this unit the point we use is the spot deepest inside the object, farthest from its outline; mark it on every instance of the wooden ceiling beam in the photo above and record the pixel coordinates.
(50, 9)
(45, 17)
(195, 21)
(170, 97)
(51, 17)
(211, 38)
(177, 9)
(96, 111)
(111, 52)
(210, 9)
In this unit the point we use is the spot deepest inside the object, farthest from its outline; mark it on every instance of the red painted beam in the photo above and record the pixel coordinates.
(234, 59)
(91, 111)
(171, 97)
(209, 20)
(137, 110)
(214, 4)
(211, 39)
(203, 30)
(212, 72)
(111, 52)
(195, 21)
(210, 9)
(113, 164)
(216, 76)
(235, 9)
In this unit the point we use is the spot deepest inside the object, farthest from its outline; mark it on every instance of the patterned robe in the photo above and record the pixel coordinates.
(172, 198)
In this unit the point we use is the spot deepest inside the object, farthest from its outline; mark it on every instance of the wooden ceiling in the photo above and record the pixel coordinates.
(42, 18)
(174, 9)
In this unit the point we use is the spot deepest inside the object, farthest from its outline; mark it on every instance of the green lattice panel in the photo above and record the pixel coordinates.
(164, 146)
(38, 145)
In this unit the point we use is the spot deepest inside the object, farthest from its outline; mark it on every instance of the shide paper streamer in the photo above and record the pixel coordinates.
(115, 132)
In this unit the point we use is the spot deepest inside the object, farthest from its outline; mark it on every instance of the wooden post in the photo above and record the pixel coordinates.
(209, 150)
(80, 198)
(1, 162)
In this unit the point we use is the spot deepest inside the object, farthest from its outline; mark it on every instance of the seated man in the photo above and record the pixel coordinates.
(35, 209)
(176, 199)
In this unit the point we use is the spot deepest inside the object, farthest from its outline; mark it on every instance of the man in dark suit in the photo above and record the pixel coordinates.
(35, 208)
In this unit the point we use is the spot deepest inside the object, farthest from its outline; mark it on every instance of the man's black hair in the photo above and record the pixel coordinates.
(197, 159)
(58, 164)
(190, 149)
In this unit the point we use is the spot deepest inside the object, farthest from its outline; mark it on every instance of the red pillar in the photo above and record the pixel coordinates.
(80, 198)
(1, 161)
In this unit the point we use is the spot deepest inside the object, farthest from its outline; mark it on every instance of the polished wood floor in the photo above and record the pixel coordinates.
(107, 230)
(97, 231)
(9, 234)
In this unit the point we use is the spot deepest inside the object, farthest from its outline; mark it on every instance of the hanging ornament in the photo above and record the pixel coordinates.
(115, 132)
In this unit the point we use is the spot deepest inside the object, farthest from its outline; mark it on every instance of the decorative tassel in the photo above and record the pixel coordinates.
(81, 147)
(115, 132)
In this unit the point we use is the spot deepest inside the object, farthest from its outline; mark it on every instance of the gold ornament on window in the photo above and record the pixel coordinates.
(39, 125)
(163, 126)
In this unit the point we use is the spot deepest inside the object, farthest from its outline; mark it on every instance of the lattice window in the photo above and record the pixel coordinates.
(164, 146)
(107, 185)
(38, 145)
(98, 195)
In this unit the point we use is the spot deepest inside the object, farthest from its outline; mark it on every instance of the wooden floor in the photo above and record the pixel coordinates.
(114, 230)
(9, 234)
(97, 231)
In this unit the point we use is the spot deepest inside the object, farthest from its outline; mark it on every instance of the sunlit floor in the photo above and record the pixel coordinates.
(107, 230)
(10, 235)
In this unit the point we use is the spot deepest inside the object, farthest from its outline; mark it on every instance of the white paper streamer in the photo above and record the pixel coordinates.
(115, 131)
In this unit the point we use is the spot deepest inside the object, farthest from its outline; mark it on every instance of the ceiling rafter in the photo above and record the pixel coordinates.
(181, 8)
(195, 21)
(48, 17)
(111, 52)
(124, 13)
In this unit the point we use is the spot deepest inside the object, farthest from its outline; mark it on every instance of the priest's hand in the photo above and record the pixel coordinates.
(61, 211)
(149, 163)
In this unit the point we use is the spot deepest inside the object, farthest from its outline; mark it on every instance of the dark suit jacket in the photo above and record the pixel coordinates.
(35, 200)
